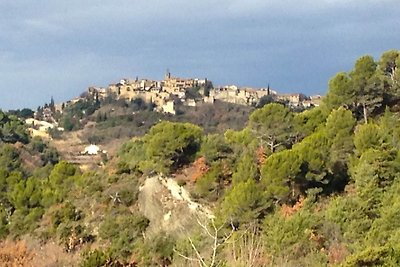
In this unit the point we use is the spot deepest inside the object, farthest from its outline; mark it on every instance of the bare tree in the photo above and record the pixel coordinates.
(246, 248)
(217, 239)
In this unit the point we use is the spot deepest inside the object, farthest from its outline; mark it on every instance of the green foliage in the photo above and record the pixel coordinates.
(273, 124)
(368, 136)
(214, 147)
(64, 214)
(69, 123)
(12, 130)
(319, 160)
(364, 69)
(244, 203)
(347, 173)
(340, 91)
(26, 194)
(43, 172)
(139, 104)
(309, 121)
(246, 169)
(390, 129)
(24, 113)
(387, 63)
(388, 67)
(166, 147)
(289, 237)
(350, 215)
(241, 141)
(338, 129)
(209, 185)
(172, 144)
(3, 223)
(280, 173)
(386, 229)
(157, 250)
(48, 154)
(375, 170)
(20, 199)
(133, 120)
(24, 221)
(314, 152)
(375, 256)
(73, 114)
(37, 144)
(368, 87)
(95, 258)
(60, 182)
(192, 93)
(123, 230)
(66, 225)
(128, 196)
(9, 158)
(265, 100)
(131, 155)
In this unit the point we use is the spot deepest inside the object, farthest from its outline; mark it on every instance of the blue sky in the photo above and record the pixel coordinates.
(59, 48)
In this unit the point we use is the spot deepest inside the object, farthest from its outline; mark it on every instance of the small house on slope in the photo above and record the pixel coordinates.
(91, 150)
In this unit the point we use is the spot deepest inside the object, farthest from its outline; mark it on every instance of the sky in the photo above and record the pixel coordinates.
(60, 48)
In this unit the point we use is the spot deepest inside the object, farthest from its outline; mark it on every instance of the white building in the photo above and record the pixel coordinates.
(91, 150)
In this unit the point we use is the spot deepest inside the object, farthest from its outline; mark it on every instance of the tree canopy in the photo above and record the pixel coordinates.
(273, 125)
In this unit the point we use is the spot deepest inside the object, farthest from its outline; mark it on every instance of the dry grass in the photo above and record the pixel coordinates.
(15, 254)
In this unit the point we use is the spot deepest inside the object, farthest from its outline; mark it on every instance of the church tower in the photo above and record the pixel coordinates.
(167, 75)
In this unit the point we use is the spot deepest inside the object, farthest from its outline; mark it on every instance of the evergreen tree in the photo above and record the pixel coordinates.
(340, 92)
(246, 169)
(281, 174)
(273, 125)
(244, 203)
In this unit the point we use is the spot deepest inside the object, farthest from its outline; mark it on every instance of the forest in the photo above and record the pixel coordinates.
(318, 187)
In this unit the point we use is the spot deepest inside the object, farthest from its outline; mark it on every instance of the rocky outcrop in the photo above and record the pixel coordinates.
(169, 206)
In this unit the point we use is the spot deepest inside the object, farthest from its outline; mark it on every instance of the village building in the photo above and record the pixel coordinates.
(169, 107)
(98, 93)
(91, 150)
(190, 103)
(242, 96)
(294, 100)
(161, 93)
(316, 100)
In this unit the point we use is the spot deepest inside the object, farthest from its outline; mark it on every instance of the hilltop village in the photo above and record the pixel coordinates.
(165, 94)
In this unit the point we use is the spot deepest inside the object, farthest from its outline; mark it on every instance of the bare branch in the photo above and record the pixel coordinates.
(185, 257)
(200, 258)
(205, 228)
(213, 232)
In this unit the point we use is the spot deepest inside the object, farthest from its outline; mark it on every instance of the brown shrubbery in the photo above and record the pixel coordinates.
(15, 254)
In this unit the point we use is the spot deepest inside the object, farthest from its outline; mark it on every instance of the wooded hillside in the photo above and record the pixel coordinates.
(315, 188)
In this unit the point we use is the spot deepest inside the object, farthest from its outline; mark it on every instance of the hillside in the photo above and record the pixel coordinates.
(112, 123)
(220, 185)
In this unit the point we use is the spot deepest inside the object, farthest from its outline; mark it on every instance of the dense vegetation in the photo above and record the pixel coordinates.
(316, 188)
(121, 119)
(12, 129)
